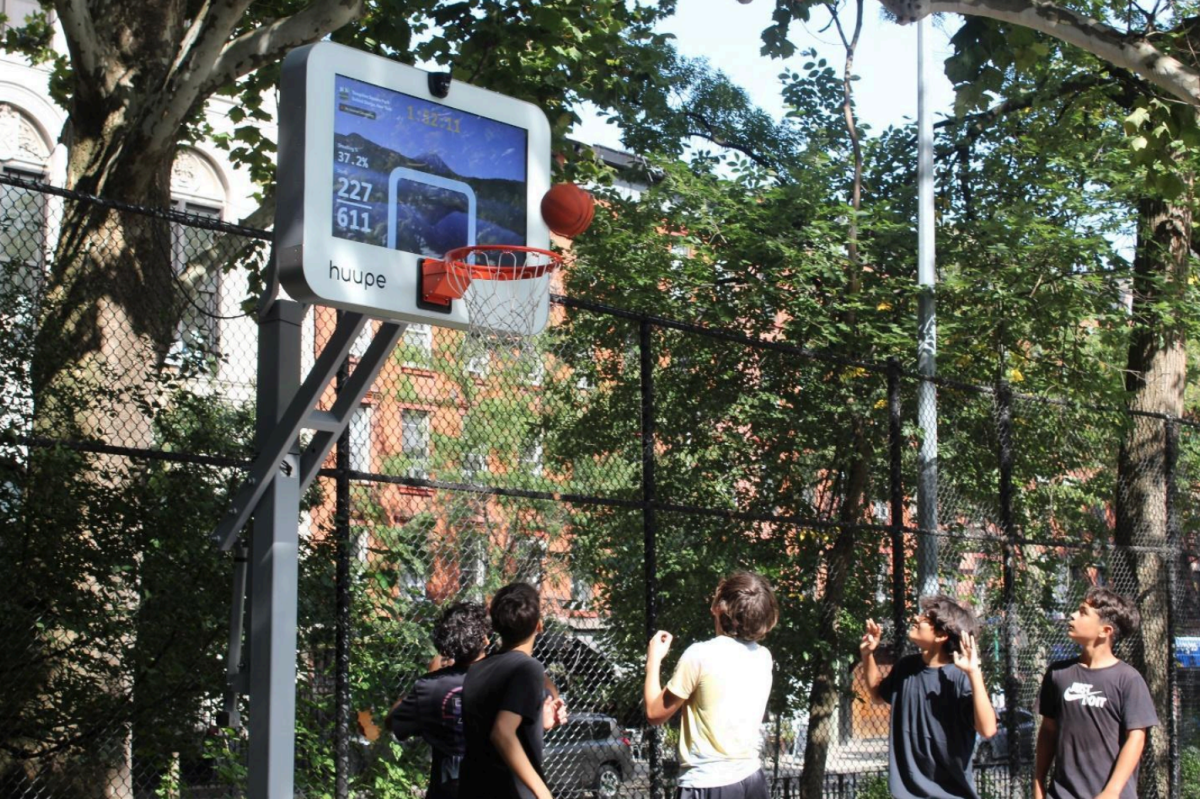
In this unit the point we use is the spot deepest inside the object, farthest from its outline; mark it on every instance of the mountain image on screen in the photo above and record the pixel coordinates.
(430, 219)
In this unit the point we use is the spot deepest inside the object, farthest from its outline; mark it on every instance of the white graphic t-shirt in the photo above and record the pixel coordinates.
(1095, 710)
(724, 683)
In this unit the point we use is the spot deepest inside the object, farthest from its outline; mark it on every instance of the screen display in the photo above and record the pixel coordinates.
(414, 175)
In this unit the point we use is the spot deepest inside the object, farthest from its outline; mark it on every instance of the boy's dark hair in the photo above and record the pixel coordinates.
(949, 618)
(516, 610)
(1114, 609)
(745, 605)
(462, 631)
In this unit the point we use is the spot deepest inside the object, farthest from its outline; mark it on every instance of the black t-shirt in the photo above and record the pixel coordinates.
(433, 710)
(1095, 710)
(932, 733)
(511, 681)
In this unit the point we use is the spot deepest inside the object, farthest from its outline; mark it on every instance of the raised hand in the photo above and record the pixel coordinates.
(870, 639)
(967, 656)
(554, 712)
(659, 645)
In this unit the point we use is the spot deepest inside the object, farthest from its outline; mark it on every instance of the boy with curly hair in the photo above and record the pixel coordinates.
(433, 708)
(722, 686)
(939, 702)
(1096, 709)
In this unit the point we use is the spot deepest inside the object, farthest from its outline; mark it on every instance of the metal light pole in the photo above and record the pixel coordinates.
(927, 509)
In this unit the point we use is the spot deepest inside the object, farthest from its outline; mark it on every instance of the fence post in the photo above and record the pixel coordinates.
(1171, 458)
(896, 497)
(1009, 527)
(649, 524)
(341, 680)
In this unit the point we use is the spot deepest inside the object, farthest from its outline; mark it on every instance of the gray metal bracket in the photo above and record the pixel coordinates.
(302, 413)
(236, 669)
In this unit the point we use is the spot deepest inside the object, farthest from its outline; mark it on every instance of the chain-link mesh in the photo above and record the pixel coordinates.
(621, 463)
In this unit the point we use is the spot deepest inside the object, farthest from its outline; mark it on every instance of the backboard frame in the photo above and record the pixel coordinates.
(314, 264)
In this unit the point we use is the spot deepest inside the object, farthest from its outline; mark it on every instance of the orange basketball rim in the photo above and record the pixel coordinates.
(448, 279)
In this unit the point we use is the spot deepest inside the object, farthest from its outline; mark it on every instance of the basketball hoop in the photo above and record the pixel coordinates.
(502, 285)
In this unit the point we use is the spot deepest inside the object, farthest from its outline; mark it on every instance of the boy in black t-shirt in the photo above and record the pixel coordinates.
(503, 706)
(1095, 709)
(433, 708)
(939, 701)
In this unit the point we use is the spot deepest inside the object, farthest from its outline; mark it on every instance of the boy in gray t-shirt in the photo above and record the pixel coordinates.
(1095, 709)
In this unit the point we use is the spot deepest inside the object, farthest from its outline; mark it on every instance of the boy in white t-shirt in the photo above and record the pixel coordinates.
(722, 686)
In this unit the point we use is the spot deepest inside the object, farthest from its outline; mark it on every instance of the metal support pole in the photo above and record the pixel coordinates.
(1009, 526)
(927, 414)
(1171, 458)
(273, 566)
(896, 497)
(341, 690)
(650, 526)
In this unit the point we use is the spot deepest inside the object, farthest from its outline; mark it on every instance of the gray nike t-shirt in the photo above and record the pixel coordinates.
(1095, 710)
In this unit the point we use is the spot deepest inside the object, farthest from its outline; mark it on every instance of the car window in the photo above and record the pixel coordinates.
(574, 731)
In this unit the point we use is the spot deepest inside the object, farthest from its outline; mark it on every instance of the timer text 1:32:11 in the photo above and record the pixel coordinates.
(435, 120)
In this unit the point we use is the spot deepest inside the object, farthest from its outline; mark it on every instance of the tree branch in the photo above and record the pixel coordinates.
(205, 40)
(80, 31)
(1127, 51)
(248, 52)
(710, 134)
(226, 63)
(977, 123)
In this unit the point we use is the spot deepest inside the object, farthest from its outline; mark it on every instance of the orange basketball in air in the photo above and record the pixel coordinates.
(568, 209)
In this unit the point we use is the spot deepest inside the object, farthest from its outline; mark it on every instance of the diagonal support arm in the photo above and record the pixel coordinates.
(302, 414)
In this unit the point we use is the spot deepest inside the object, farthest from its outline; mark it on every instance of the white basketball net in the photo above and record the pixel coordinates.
(504, 314)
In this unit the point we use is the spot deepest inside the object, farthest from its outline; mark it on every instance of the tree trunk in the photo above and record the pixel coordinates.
(826, 691)
(1155, 379)
(109, 315)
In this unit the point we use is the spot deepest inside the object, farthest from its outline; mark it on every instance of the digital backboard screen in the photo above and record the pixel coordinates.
(382, 168)
(414, 175)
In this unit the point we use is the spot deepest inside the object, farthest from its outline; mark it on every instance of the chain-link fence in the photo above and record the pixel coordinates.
(620, 462)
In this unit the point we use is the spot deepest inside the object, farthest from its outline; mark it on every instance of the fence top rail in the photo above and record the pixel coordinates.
(871, 366)
(891, 366)
(794, 520)
(191, 220)
(716, 332)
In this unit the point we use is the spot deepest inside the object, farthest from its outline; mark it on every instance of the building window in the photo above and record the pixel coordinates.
(198, 257)
(24, 234)
(198, 332)
(474, 464)
(531, 458)
(417, 346)
(537, 370)
(476, 356)
(360, 438)
(581, 591)
(22, 240)
(414, 442)
(358, 347)
(472, 564)
(360, 548)
(24, 154)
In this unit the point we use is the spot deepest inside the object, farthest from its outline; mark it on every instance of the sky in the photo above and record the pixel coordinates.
(727, 33)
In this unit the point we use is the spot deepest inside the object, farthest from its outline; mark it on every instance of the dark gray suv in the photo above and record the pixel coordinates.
(587, 754)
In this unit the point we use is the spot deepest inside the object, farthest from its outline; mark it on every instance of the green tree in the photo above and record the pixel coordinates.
(134, 82)
(1130, 65)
